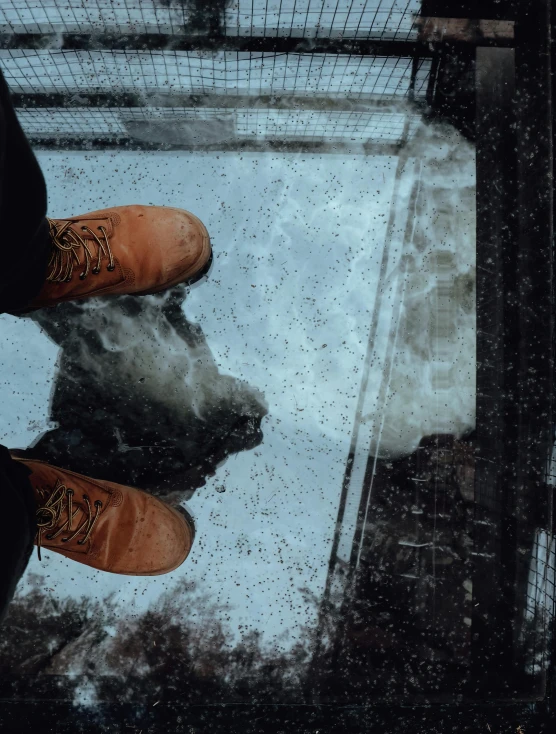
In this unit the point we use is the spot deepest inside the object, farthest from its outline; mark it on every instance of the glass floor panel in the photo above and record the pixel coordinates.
(350, 403)
(333, 338)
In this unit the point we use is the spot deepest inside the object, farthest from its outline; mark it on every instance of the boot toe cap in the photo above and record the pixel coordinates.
(160, 543)
(186, 245)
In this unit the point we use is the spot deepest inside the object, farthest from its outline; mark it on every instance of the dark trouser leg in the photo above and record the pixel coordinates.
(24, 240)
(24, 252)
(19, 526)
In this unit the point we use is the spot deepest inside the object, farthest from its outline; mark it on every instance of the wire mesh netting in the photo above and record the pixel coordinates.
(156, 75)
(162, 78)
(541, 598)
(226, 73)
(367, 19)
(196, 127)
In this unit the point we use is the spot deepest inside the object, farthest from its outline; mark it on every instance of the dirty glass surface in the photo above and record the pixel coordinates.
(314, 399)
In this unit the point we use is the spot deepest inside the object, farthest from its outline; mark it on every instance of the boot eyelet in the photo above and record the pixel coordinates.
(82, 276)
(83, 229)
(65, 540)
(98, 503)
(110, 268)
(48, 537)
(95, 271)
(80, 542)
(70, 491)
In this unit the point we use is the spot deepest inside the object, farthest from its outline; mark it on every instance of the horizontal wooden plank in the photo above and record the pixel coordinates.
(466, 30)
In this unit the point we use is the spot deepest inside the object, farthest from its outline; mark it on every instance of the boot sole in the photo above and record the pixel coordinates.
(185, 510)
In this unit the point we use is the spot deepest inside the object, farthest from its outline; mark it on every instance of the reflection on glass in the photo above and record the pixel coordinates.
(314, 398)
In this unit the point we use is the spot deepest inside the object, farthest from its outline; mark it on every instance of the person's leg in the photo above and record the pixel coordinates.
(25, 244)
(24, 253)
(19, 525)
(121, 250)
(167, 246)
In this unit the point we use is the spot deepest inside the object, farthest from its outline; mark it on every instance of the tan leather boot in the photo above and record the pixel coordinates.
(125, 249)
(107, 526)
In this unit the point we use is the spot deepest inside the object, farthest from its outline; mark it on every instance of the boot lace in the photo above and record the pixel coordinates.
(67, 244)
(57, 506)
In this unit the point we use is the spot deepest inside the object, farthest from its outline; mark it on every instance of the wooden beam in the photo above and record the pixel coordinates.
(162, 98)
(496, 235)
(466, 30)
(126, 142)
(169, 42)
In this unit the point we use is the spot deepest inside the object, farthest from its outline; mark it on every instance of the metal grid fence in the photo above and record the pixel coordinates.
(194, 127)
(198, 72)
(362, 19)
(96, 89)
